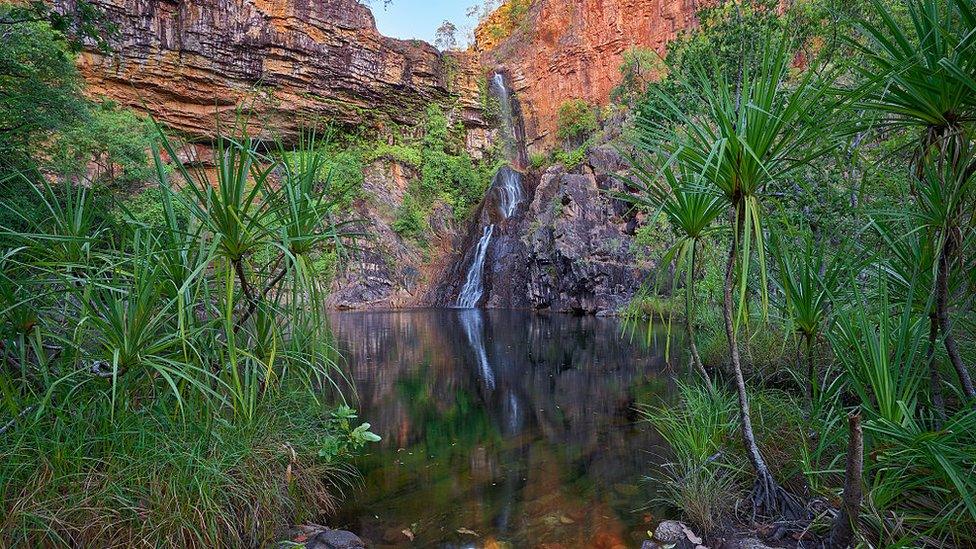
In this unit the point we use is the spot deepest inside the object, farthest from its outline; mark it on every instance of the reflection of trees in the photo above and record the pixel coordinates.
(554, 429)
(461, 425)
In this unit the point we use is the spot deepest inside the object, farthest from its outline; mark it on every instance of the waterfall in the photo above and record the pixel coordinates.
(512, 134)
(474, 283)
(507, 183)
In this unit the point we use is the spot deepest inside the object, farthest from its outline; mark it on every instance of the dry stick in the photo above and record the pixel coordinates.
(842, 531)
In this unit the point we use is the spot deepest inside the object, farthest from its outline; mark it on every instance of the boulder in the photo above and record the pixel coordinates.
(334, 539)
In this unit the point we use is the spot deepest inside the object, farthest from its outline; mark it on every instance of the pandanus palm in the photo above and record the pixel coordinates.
(807, 279)
(756, 128)
(921, 75)
(691, 210)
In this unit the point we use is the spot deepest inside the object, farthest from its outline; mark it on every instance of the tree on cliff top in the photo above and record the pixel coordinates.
(445, 38)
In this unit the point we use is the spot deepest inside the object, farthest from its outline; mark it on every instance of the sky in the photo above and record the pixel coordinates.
(420, 18)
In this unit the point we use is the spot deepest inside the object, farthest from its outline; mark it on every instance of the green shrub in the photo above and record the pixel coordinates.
(637, 68)
(575, 120)
(155, 479)
(164, 389)
(410, 156)
(700, 480)
(538, 160)
(649, 305)
(572, 159)
(410, 221)
(112, 139)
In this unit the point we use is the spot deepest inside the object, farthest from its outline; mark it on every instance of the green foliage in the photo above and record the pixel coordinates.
(151, 479)
(410, 221)
(39, 84)
(648, 305)
(572, 158)
(114, 139)
(45, 122)
(575, 120)
(190, 327)
(874, 228)
(699, 479)
(538, 160)
(638, 67)
(504, 20)
(411, 156)
(347, 441)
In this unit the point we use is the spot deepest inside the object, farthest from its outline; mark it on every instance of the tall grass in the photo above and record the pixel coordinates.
(164, 385)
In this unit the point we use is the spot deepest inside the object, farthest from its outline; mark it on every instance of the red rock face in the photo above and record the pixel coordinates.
(287, 63)
(570, 49)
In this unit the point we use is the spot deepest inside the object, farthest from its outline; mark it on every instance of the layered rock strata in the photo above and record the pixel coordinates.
(573, 49)
(286, 64)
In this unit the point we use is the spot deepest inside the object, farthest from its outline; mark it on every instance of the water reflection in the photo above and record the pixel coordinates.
(516, 427)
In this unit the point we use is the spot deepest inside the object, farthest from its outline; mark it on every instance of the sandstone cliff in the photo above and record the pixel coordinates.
(568, 49)
(287, 63)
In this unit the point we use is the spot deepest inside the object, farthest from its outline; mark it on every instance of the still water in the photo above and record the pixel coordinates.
(502, 429)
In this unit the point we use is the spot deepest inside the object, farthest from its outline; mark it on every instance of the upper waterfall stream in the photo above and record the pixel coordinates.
(507, 184)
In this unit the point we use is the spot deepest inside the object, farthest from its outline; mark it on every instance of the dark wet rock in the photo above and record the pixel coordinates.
(567, 249)
(384, 270)
(334, 539)
(579, 242)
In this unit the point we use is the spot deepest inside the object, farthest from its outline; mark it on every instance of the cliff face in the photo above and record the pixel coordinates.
(288, 63)
(568, 49)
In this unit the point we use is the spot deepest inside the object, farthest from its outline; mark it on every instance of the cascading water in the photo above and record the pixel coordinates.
(474, 286)
(507, 183)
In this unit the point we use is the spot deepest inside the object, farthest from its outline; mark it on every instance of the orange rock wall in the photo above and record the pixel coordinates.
(569, 49)
(286, 63)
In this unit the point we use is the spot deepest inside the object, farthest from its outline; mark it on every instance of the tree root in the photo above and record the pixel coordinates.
(772, 500)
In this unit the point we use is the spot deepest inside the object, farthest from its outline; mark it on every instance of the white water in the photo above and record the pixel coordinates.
(473, 285)
(507, 126)
(509, 185)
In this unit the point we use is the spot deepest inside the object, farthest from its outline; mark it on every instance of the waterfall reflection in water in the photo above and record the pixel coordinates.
(516, 426)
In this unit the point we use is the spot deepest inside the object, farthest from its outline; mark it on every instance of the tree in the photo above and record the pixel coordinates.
(691, 211)
(445, 37)
(921, 75)
(754, 128)
(39, 86)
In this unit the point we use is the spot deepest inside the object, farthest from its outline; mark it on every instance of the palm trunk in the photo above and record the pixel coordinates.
(935, 380)
(811, 371)
(767, 497)
(941, 311)
(690, 316)
(842, 531)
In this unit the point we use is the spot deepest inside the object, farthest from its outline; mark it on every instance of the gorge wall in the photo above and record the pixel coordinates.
(291, 64)
(570, 49)
(286, 63)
